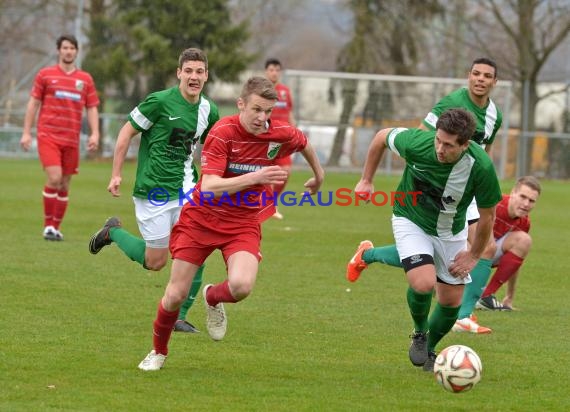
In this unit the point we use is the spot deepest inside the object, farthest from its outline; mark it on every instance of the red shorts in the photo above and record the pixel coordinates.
(284, 161)
(52, 153)
(197, 235)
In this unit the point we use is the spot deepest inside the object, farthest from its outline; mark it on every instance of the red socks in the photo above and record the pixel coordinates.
(162, 329)
(508, 266)
(220, 293)
(55, 205)
(50, 202)
(60, 207)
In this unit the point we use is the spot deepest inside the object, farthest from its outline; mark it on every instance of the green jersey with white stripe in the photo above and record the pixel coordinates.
(446, 188)
(170, 128)
(488, 119)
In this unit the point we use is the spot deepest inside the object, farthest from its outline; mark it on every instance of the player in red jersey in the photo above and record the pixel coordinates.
(511, 244)
(62, 91)
(283, 110)
(511, 233)
(226, 208)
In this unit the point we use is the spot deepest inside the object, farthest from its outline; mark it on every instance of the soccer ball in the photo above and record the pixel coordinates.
(457, 368)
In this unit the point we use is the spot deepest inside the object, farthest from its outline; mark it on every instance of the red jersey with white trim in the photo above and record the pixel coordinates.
(63, 96)
(504, 223)
(230, 151)
(284, 104)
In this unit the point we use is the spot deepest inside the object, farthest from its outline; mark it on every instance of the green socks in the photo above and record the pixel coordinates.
(194, 289)
(440, 322)
(473, 291)
(132, 246)
(419, 304)
(385, 254)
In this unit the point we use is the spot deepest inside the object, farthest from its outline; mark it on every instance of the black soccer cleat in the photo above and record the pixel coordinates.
(430, 362)
(491, 303)
(184, 326)
(418, 349)
(101, 239)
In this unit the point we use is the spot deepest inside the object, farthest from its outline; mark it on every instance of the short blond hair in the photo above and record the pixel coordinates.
(259, 86)
(529, 181)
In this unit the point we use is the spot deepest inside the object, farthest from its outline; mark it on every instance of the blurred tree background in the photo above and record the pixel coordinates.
(131, 46)
(134, 45)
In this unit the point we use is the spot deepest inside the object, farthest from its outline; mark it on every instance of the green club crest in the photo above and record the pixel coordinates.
(273, 149)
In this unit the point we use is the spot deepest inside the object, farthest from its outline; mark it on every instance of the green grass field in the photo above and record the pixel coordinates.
(73, 327)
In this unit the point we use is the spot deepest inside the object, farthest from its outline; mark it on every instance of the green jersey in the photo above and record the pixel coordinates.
(488, 119)
(446, 188)
(170, 128)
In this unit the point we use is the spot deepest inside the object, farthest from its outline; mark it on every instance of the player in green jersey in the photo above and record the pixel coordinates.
(171, 123)
(431, 236)
(482, 77)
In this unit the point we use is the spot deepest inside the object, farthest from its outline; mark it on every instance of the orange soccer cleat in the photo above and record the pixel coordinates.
(469, 325)
(356, 264)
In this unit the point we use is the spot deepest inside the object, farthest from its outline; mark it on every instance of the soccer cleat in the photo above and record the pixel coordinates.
(491, 303)
(58, 235)
(469, 325)
(216, 321)
(101, 239)
(184, 326)
(50, 233)
(153, 361)
(418, 349)
(430, 362)
(277, 215)
(356, 264)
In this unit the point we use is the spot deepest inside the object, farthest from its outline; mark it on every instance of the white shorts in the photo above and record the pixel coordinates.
(472, 211)
(412, 240)
(155, 221)
(499, 252)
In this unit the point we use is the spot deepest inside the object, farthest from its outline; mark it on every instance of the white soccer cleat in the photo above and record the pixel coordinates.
(469, 325)
(153, 361)
(216, 321)
(50, 233)
(58, 235)
(277, 215)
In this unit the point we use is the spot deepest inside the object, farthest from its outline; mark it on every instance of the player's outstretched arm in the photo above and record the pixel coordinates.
(373, 157)
(126, 133)
(315, 182)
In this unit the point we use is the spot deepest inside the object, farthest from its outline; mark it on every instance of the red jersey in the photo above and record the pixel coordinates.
(504, 223)
(63, 96)
(284, 104)
(231, 151)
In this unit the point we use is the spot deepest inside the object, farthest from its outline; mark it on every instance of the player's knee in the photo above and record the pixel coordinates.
(522, 244)
(155, 263)
(420, 270)
(54, 180)
(422, 285)
(175, 297)
(241, 290)
(526, 241)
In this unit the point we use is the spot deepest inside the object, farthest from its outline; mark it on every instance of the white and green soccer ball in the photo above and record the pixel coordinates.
(458, 368)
